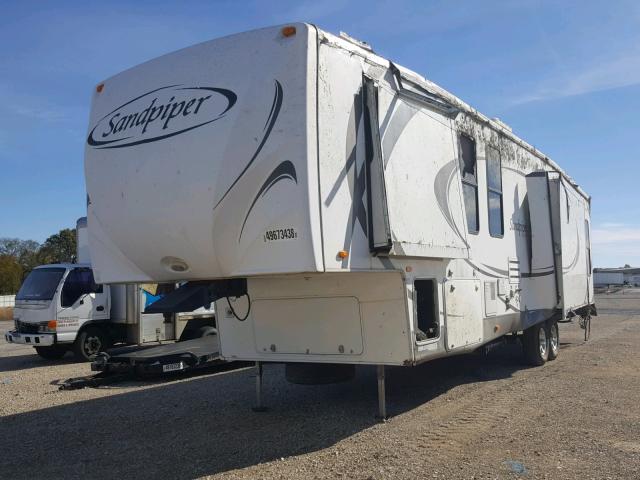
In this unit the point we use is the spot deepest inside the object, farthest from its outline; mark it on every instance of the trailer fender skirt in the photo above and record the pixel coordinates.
(193, 295)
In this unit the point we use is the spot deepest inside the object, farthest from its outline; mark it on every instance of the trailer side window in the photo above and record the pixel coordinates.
(469, 174)
(494, 191)
(79, 282)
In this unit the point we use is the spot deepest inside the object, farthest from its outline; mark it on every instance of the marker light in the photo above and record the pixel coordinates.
(52, 324)
(343, 254)
(289, 31)
(100, 87)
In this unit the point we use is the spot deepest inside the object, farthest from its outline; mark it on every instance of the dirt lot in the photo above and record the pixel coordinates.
(470, 417)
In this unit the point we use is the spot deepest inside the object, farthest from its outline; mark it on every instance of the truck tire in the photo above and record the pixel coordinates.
(535, 344)
(205, 331)
(54, 352)
(90, 342)
(553, 333)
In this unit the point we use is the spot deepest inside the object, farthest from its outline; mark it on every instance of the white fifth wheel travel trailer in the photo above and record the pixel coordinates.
(338, 208)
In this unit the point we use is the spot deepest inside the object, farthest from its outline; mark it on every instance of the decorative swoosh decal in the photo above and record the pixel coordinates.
(286, 170)
(537, 274)
(493, 275)
(268, 126)
(499, 271)
(574, 261)
(481, 270)
(441, 185)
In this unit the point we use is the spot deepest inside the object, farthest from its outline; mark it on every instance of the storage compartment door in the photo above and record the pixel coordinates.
(313, 326)
(463, 313)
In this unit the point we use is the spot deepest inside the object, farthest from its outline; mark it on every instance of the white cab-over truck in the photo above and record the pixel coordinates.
(59, 307)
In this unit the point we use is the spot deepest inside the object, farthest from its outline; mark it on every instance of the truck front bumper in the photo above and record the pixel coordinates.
(35, 339)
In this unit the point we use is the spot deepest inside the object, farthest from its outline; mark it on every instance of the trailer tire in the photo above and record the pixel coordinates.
(553, 333)
(535, 344)
(54, 352)
(90, 342)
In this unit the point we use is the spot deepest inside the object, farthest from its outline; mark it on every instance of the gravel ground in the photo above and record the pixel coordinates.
(467, 417)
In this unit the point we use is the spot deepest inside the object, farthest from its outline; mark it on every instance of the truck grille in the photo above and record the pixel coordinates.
(23, 327)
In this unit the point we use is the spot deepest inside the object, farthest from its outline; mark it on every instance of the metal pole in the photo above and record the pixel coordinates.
(382, 400)
(259, 407)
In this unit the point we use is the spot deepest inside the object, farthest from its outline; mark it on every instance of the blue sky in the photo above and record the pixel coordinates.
(564, 75)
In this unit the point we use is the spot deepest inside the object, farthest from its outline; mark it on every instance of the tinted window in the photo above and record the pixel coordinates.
(494, 173)
(494, 191)
(469, 176)
(79, 282)
(40, 284)
(470, 194)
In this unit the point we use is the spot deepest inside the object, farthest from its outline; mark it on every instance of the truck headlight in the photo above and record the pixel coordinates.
(47, 327)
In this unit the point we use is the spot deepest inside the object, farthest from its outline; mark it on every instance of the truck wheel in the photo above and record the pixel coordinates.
(535, 344)
(554, 339)
(89, 343)
(54, 352)
(205, 332)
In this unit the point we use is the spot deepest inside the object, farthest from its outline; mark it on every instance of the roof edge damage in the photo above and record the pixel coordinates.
(436, 92)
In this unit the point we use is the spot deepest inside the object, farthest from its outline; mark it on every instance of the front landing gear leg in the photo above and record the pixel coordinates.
(259, 407)
(382, 399)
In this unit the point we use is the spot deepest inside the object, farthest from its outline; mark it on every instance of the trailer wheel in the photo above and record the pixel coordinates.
(553, 332)
(54, 352)
(90, 342)
(535, 344)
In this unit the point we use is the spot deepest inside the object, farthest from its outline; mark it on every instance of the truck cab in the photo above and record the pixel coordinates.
(55, 303)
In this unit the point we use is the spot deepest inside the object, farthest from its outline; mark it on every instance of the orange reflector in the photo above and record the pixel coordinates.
(100, 87)
(52, 324)
(409, 268)
(343, 254)
(288, 31)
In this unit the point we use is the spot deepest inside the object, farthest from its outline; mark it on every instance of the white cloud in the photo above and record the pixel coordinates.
(50, 115)
(312, 9)
(608, 234)
(616, 244)
(603, 74)
(611, 225)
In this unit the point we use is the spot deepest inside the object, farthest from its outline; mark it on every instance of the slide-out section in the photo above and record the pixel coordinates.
(560, 220)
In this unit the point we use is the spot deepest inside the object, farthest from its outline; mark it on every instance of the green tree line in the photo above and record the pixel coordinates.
(19, 257)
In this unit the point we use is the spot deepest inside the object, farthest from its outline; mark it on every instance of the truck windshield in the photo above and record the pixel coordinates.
(40, 284)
